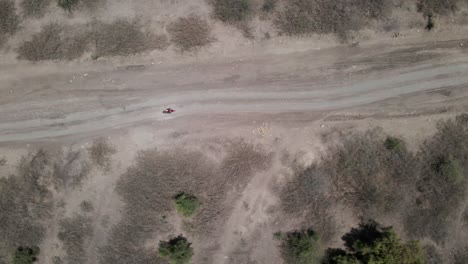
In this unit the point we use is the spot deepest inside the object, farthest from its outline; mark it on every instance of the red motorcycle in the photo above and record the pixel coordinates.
(168, 111)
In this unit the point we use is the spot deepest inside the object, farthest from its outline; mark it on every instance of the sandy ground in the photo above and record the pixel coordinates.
(287, 101)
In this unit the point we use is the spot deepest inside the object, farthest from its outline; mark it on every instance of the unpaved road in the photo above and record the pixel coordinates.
(44, 101)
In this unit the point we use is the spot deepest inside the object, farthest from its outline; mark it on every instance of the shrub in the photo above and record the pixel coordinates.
(86, 206)
(24, 203)
(190, 33)
(54, 42)
(371, 243)
(436, 7)
(101, 151)
(122, 38)
(232, 11)
(74, 233)
(67, 5)
(301, 247)
(34, 8)
(176, 250)
(392, 143)
(300, 17)
(278, 235)
(269, 5)
(25, 255)
(186, 204)
(9, 20)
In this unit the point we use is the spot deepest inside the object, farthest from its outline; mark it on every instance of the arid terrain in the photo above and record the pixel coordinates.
(279, 128)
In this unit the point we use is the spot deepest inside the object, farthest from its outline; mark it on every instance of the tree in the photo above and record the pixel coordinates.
(372, 244)
(176, 250)
(301, 247)
(25, 255)
(186, 204)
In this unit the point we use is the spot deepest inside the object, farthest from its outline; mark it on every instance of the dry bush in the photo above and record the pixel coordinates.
(190, 33)
(148, 189)
(242, 160)
(300, 17)
(9, 20)
(441, 191)
(25, 202)
(122, 38)
(70, 169)
(149, 186)
(437, 7)
(75, 5)
(74, 233)
(232, 11)
(54, 42)
(34, 8)
(101, 152)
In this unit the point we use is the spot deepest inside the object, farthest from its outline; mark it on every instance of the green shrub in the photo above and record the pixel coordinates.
(34, 8)
(301, 247)
(67, 5)
(278, 235)
(392, 143)
(232, 11)
(176, 250)
(25, 255)
(371, 243)
(190, 33)
(186, 204)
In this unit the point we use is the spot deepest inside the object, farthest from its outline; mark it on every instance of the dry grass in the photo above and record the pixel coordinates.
(437, 7)
(101, 152)
(123, 38)
(232, 11)
(190, 33)
(9, 20)
(425, 190)
(150, 185)
(302, 17)
(74, 233)
(70, 169)
(25, 202)
(55, 42)
(34, 8)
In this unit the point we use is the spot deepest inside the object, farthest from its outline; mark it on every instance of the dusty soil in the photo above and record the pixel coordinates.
(290, 97)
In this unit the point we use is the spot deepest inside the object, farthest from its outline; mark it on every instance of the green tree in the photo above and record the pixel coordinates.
(25, 255)
(372, 244)
(176, 250)
(186, 204)
(301, 247)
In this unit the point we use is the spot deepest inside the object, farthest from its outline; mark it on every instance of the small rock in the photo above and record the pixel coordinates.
(322, 125)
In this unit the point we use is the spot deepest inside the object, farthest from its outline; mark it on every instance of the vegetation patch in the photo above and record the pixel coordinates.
(190, 33)
(392, 143)
(232, 11)
(176, 250)
(370, 243)
(25, 255)
(54, 42)
(437, 7)
(123, 38)
(35, 8)
(86, 206)
(101, 152)
(301, 247)
(25, 202)
(9, 20)
(74, 233)
(73, 5)
(301, 17)
(186, 204)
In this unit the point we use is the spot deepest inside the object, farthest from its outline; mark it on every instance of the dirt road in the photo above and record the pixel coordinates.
(43, 101)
